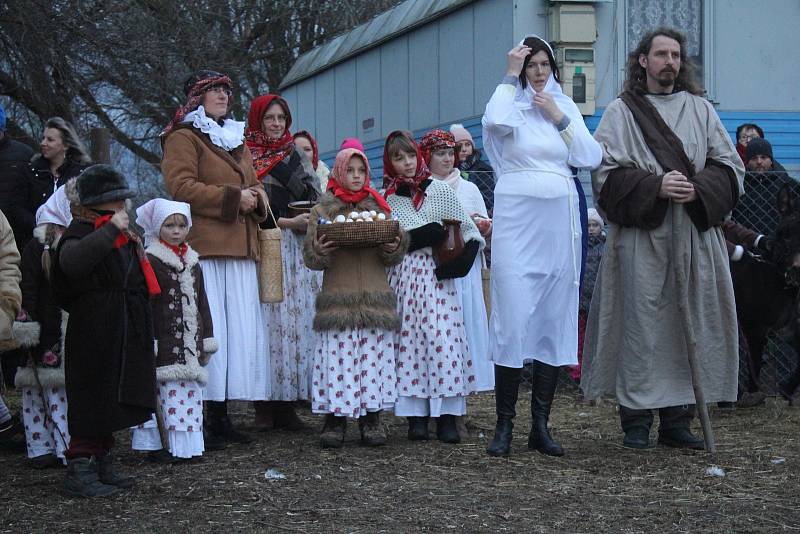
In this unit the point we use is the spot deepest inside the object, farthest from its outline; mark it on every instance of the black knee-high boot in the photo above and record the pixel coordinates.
(506, 390)
(545, 380)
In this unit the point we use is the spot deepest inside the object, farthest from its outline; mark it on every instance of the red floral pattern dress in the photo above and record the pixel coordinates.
(433, 358)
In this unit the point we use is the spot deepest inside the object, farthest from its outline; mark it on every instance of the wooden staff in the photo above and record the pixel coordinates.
(160, 421)
(682, 287)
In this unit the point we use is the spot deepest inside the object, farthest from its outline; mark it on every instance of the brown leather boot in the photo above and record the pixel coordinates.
(372, 431)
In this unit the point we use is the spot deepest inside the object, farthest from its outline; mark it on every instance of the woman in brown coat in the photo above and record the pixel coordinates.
(207, 165)
(356, 322)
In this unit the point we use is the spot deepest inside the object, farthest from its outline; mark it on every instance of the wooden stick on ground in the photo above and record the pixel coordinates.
(682, 288)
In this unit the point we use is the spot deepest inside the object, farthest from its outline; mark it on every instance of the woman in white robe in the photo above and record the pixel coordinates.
(534, 135)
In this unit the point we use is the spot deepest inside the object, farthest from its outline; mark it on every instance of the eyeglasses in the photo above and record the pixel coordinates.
(219, 89)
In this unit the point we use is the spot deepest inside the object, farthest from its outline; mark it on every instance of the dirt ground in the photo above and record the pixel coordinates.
(430, 487)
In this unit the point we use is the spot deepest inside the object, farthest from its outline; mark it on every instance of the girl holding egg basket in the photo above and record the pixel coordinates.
(356, 319)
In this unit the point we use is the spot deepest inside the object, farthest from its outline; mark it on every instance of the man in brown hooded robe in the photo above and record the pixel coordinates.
(670, 177)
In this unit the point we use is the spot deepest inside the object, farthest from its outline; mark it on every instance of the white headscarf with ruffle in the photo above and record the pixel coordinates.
(152, 214)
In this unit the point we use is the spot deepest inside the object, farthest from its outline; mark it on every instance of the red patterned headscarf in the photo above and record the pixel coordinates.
(340, 171)
(267, 152)
(434, 140)
(392, 180)
(307, 135)
(195, 97)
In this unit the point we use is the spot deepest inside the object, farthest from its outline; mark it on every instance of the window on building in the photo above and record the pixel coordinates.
(685, 15)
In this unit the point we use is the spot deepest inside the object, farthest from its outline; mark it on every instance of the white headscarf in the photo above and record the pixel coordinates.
(523, 101)
(152, 214)
(55, 210)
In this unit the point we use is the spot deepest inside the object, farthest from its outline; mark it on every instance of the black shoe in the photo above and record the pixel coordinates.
(501, 442)
(637, 437)
(724, 405)
(285, 417)
(680, 438)
(12, 435)
(545, 380)
(46, 461)
(418, 428)
(108, 475)
(446, 430)
(372, 431)
(333, 432)
(161, 456)
(212, 442)
(82, 480)
(219, 424)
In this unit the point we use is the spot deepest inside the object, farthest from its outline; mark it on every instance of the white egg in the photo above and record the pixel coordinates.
(364, 214)
(381, 216)
(373, 213)
(340, 218)
(353, 215)
(348, 220)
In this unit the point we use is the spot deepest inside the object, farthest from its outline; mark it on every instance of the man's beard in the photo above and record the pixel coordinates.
(666, 81)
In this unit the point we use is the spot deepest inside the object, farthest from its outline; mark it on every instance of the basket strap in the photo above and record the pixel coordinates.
(269, 210)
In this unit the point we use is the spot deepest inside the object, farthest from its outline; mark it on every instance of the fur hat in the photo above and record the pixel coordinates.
(461, 133)
(758, 147)
(102, 183)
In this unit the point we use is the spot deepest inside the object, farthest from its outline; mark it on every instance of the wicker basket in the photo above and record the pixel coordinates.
(359, 234)
(270, 264)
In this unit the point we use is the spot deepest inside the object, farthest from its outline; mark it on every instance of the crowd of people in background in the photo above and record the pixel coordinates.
(156, 334)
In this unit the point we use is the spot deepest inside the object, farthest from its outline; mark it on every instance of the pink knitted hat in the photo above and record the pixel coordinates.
(461, 133)
(352, 142)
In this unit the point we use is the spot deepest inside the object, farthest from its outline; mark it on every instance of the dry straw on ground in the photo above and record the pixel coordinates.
(429, 487)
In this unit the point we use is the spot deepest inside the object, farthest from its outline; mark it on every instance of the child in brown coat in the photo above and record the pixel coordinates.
(356, 320)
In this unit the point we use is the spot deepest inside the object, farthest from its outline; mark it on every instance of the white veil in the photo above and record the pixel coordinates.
(523, 101)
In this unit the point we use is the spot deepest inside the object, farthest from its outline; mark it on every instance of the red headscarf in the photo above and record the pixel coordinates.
(340, 171)
(315, 154)
(392, 180)
(194, 98)
(267, 152)
(434, 140)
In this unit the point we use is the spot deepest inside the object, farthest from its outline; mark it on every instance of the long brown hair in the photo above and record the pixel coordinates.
(76, 150)
(636, 79)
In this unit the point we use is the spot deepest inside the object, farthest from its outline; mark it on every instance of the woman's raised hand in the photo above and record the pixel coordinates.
(547, 105)
(516, 58)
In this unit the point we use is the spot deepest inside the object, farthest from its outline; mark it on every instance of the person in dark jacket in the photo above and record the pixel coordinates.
(101, 277)
(14, 159)
(62, 156)
(594, 253)
(472, 167)
(757, 209)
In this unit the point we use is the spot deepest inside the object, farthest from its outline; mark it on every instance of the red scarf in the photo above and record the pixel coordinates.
(127, 237)
(194, 98)
(345, 195)
(434, 140)
(267, 152)
(314, 149)
(392, 180)
(179, 250)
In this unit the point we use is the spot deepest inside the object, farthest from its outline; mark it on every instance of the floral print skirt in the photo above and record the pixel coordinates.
(433, 358)
(44, 415)
(291, 339)
(182, 405)
(354, 372)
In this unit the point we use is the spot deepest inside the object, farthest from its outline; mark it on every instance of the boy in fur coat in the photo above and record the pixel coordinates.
(183, 334)
(100, 275)
(356, 320)
(41, 328)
